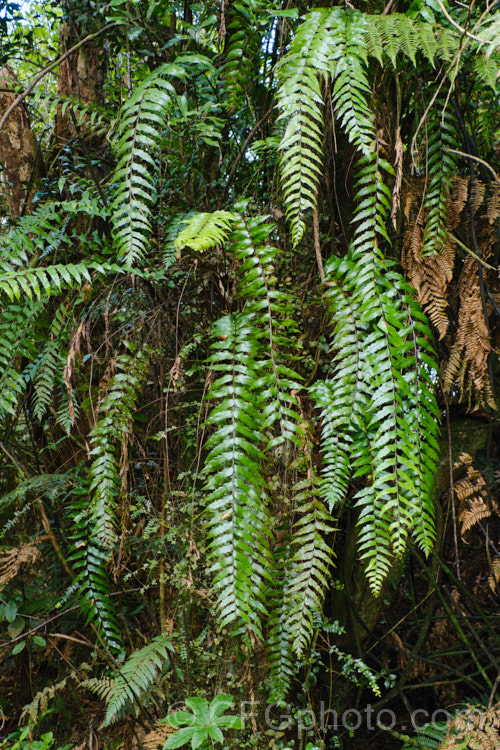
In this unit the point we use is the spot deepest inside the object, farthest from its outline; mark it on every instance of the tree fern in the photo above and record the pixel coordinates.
(142, 120)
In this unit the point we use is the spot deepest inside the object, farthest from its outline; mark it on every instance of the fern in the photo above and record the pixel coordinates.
(280, 636)
(239, 520)
(254, 391)
(335, 44)
(94, 523)
(125, 693)
(15, 318)
(142, 120)
(441, 166)
(299, 98)
(379, 387)
(49, 363)
(241, 54)
(310, 563)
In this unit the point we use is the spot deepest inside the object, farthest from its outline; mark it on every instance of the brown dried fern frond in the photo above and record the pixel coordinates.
(12, 561)
(476, 728)
(493, 204)
(476, 194)
(467, 366)
(430, 275)
(472, 495)
(155, 739)
(494, 577)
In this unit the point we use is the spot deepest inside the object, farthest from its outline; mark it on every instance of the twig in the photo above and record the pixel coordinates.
(241, 154)
(50, 68)
(317, 246)
(475, 158)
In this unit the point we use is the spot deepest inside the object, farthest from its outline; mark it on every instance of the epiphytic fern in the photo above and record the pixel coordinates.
(301, 102)
(142, 120)
(310, 563)
(335, 43)
(245, 23)
(379, 389)
(256, 413)
(239, 520)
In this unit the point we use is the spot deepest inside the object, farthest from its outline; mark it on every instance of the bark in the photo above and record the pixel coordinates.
(81, 77)
(17, 150)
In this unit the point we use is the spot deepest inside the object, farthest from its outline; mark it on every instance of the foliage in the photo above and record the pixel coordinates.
(258, 269)
(204, 724)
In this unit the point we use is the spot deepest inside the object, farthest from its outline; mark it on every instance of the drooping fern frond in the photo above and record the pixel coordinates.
(441, 166)
(310, 563)
(94, 523)
(15, 341)
(256, 412)
(49, 364)
(335, 44)
(125, 693)
(280, 636)
(241, 54)
(383, 387)
(236, 504)
(142, 120)
(114, 425)
(301, 102)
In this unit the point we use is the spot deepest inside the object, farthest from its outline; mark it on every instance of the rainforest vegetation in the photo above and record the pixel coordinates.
(249, 374)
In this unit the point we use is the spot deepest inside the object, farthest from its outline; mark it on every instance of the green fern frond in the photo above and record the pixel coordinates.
(204, 231)
(239, 521)
(94, 524)
(115, 423)
(126, 691)
(342, 396)
(489, 34)
(301, 102)
(16, 341)
(49, 364)
(441, 166)
(45, 281)
(142, 120)
(241, 54)
(249, 242)
(378, 410)
(279, 640)
(310, 563)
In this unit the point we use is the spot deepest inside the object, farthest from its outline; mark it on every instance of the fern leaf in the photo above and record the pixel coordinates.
(127, 690)
(301, 102)
(441, 167)
(239, 520)
(203, 231)
(310, 563)
(142, 120)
